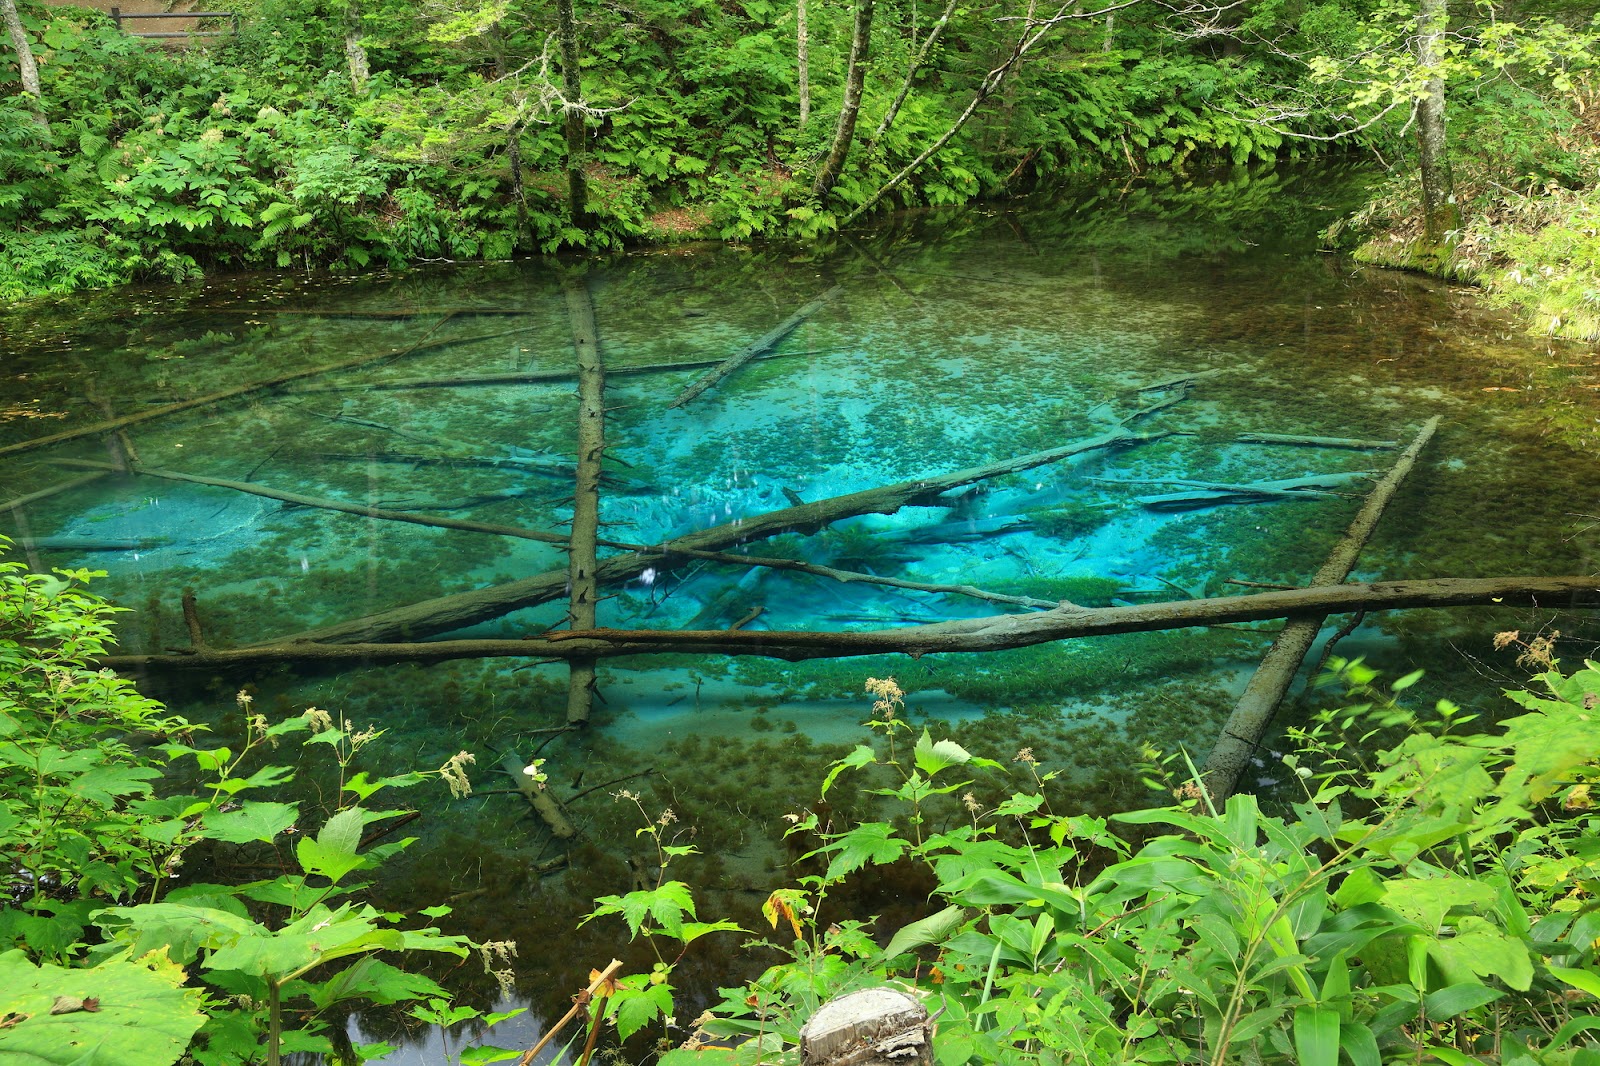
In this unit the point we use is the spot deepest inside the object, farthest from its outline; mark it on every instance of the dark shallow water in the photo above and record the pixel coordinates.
(956, 340)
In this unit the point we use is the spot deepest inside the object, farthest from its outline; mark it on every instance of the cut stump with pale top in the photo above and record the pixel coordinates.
(873, 1027)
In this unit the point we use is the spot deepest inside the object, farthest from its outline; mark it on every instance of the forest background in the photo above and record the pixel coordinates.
(359, 134)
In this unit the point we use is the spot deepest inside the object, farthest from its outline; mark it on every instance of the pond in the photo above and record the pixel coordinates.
(1195, 315)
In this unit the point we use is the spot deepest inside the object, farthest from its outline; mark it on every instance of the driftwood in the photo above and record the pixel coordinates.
(1253, 713)
(992, 633)
(756, 347)
(242, 390)
(581, 553)
(444, 613)
(534, 377)
(1313, 442)
(325, 504)
(544, 804)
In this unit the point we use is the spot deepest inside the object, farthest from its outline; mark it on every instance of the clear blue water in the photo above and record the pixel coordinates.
(956, 340)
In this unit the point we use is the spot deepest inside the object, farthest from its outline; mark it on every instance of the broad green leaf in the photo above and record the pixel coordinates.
(141, 1015)
(342, 832)
(861, 756)
(932, 757)
(1452, 1000)
(1359, 1044)
(1316, 1036)
(251, 822)
(1583, 980)
(638, 1007)
(373, 980)
(870, 842)
(1480, 948)
(332, 863)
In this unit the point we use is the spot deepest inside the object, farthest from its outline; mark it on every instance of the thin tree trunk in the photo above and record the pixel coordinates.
(756, 348)
(992, 633)
(1031, 35)
(1440, 213)
(850, 110)
(802, 59)
(239, 390)
(26, 64)
(581, 555)
(572, 106)
(911, 71)
(354, 50)
(323, 503)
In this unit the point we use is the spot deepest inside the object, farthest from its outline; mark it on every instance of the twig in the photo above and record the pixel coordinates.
(596, 788)
(579, 1003)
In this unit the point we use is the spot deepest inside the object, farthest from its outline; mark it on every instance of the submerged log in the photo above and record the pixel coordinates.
(323, 503)
(242, 390)
(53, 490)
(1242, 733)
(756, 347)
(444, 613)
(544, 804)
(993, 633)
(345, 312)
(1313, 442)
(581, 552)
(534, 377)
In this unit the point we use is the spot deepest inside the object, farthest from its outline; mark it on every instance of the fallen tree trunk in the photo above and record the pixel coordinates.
(335, 312)
(241, 390)
(325, 504)
(444, 613)
(756, 347)
(581, 552)
(53, 490)
(1242, 733)
(544, 804)
(534, 377)
(992, 633)
(855, 576)
(1313, 442)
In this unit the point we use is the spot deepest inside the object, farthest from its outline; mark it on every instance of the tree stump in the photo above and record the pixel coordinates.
(873, 1027)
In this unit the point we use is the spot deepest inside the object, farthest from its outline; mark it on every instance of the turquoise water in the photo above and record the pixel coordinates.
(955, 340)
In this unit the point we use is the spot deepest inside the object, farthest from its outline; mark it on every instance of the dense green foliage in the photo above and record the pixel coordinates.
(93, 938)
(1433, 902)
(270, 148)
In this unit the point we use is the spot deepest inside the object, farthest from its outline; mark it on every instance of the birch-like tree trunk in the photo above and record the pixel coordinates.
(850, 110)
(1440, 213)
(911, 71)
(802, 59)
(572, 91)
(26, 64)
(355, 50)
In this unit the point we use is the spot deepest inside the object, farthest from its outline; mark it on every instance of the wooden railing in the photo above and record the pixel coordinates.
(118, 15)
